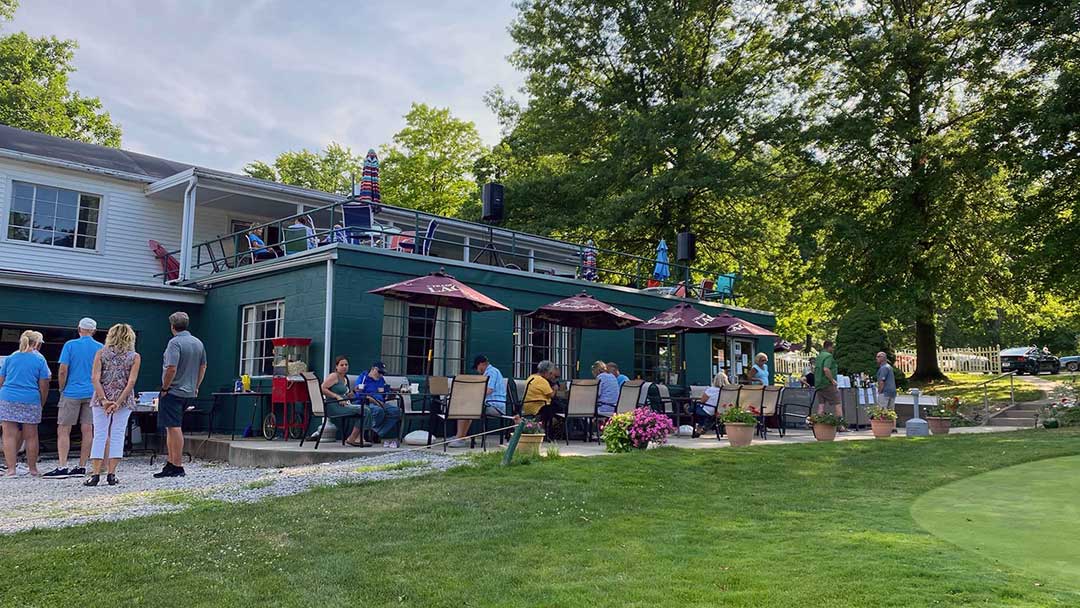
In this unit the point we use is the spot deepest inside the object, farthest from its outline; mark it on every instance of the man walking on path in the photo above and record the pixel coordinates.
(886, 383)
(184, 365)
(76, 389)
(825, 379)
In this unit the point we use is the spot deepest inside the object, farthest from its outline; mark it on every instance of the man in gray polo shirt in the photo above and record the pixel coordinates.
(184, 365)
(886, 383)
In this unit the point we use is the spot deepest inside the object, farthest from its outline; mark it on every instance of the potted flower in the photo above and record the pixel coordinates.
(636, 430)
(739, 425)
(882, 421)
(825, 425)
(532, 436)
(939, 418)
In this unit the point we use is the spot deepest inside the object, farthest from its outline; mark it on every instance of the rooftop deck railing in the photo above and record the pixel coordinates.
(487, 245)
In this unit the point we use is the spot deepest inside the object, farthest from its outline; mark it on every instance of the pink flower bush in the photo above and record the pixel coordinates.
(649, 426)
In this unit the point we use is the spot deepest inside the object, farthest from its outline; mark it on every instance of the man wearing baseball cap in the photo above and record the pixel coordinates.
(76, 389)
(383, 417)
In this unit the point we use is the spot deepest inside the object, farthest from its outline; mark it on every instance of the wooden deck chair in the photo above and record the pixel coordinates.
(581, 403)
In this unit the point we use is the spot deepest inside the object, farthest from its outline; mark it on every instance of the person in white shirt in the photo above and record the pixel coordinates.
(705, 410)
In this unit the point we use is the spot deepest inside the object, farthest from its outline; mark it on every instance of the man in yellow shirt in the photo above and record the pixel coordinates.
(538, 392)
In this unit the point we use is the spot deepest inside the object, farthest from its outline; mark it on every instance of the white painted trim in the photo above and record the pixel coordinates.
(104, 288)
(586, 285)
(73, 166)
(329, 318)
(187, 227)
(306, 258)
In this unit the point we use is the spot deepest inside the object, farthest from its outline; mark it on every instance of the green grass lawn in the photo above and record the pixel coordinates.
(964, 387)
(795, 525)
(1023, 517)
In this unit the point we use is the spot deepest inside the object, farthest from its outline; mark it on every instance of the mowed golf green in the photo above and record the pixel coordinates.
(817, 525)
(1025, 517)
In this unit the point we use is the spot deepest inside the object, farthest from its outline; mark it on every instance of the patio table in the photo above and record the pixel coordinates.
(259, 397)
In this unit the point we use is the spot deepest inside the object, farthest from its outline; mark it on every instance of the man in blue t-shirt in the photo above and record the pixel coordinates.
(76, 389)
(613, 369)
(495, 401)
(886, 383)
(371, 392)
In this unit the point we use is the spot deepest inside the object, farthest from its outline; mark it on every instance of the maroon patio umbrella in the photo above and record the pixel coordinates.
(734, 326)
(584, 312)
(439, 289)
(684, 319)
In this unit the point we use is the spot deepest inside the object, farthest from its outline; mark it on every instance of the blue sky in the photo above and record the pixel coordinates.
(219, 84)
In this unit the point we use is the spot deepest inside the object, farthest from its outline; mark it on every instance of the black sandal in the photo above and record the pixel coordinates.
(93, 481)
(111, 480)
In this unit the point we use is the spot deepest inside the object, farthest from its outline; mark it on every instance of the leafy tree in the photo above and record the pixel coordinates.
(429, 164)
(331, 170)
(34, 91)
(910, 199)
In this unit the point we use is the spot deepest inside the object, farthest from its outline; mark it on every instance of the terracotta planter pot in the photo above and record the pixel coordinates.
(882, 429)
(938, 426)
(824, 432)
(529, 443)
(739, 434)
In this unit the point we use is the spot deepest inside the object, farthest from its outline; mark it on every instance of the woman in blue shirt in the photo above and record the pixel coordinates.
(759, 374)
(24, 385)
(607, 397)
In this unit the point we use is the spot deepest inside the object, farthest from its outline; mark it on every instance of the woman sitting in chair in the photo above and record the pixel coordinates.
(705, 410)
(259, 250)
(337, 394)
(607, 397)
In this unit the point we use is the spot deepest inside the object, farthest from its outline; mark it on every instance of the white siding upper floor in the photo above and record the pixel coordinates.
(127, 220)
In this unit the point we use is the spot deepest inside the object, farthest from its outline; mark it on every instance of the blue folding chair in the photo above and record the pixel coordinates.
(725, 287)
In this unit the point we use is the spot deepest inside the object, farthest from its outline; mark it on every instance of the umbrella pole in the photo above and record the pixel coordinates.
(577, 353)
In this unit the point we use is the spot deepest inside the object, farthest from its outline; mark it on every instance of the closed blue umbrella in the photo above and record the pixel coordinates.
(661, 271)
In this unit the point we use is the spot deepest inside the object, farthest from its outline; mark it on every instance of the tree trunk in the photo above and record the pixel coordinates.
(926, 366)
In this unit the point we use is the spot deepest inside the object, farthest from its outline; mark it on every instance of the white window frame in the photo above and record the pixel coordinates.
(561, 342)
(5, 220)
(255, 346)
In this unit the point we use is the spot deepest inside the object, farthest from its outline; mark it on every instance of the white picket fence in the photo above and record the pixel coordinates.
(969, 360)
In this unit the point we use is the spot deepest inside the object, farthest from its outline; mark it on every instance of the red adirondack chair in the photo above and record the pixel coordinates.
(169, 265)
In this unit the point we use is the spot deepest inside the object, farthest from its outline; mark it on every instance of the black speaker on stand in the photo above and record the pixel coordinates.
(687, 247)
(491, 195)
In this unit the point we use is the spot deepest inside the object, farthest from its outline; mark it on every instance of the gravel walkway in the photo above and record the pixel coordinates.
(27, 502)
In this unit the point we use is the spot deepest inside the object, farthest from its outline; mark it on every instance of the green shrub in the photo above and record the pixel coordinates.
(859, 339)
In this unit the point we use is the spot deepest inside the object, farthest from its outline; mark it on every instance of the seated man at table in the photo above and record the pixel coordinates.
(383, 417)
(495, 403)
(613, 369)
(537, 401)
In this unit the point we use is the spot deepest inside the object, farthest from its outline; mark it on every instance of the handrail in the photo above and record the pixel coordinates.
(986, 398)
(619, 268)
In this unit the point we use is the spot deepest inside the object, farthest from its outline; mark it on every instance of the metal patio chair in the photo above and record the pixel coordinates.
(581, 403)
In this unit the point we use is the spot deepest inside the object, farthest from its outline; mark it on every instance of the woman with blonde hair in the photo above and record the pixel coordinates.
(115, 369)
(705, 409)
(24, 386)
(607, 397)
(759, 373)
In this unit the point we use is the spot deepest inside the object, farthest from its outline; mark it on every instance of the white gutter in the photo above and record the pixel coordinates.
(187, 228)
(74, 166)
(328, 324)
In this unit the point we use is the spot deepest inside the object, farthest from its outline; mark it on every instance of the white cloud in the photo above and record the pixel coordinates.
(220, 84)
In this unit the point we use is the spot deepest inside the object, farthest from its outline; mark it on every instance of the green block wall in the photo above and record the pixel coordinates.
(358, 314)
(149, 318)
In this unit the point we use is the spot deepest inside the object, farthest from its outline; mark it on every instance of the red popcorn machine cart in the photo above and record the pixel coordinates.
(289, 404)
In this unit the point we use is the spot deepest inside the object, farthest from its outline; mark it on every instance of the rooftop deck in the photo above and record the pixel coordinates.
(407, 231)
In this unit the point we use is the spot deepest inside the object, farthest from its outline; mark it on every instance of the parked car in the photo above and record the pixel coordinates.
(1029, 360)
(1071, 363)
